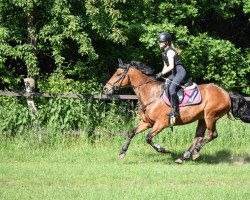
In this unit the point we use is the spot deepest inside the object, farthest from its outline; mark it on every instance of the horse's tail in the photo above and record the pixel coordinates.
(239, 108)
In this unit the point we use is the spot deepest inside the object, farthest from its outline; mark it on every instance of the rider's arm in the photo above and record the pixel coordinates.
(166, 68)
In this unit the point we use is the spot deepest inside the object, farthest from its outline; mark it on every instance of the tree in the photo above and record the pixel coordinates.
(83, 39)
(207, 55)
(33, 28)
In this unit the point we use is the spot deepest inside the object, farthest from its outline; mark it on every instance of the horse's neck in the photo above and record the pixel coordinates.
(145, 88)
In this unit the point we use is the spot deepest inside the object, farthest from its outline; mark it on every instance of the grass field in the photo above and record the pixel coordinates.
(77, 168)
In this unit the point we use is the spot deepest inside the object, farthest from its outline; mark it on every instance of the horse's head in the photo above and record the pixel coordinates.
(119, 79)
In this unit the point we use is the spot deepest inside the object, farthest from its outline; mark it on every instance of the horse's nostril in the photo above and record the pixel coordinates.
(105, 90)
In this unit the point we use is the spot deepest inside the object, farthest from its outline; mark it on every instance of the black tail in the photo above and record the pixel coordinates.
(239, 107)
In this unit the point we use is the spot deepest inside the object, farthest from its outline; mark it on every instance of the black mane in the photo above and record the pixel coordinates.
(143, 68)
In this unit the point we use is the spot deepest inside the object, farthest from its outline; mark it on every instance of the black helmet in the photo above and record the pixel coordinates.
(164, 37)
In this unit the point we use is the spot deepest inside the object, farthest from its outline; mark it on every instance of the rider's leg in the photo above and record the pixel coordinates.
(167, 84)
(180, 75)
(175, 105)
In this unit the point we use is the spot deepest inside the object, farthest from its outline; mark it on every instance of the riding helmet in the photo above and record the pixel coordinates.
(164, 37)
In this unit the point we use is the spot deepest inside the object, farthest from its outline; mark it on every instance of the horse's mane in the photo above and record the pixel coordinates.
(143, 68)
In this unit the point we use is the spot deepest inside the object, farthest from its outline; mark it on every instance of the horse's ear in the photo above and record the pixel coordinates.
(121, 64)
(120, 61)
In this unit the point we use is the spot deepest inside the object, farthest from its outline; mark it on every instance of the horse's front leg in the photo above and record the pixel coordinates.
(141, 127)
(157, 128)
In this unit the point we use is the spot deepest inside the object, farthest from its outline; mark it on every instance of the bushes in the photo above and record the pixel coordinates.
(14, 116)
(92, 117)
(217, 61)
(206, 59)
(72, 47)
(75, 36)
(61, 115)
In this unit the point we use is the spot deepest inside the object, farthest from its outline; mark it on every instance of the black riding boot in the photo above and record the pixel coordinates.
(175, 106)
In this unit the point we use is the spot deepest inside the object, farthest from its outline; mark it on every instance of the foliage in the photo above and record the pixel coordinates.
(43, 36)
(72, 46)
(14, 116)
(224, 63)
(207, 57)
(105, 19)
(57, 115)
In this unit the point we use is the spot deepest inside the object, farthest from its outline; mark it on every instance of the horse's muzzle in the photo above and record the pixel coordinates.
(108, 90)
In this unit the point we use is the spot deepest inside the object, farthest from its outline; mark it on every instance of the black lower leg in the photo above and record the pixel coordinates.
(125, 147)
(200, 143)
(127, 143)
(203, 142)
(193, 149)
(157, 147)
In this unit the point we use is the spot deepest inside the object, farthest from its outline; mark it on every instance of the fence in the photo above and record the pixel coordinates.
(76, 96)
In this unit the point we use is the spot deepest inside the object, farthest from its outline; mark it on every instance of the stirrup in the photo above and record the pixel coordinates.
(173, 114)
(170, 114)
(172, 118)
(172, 121)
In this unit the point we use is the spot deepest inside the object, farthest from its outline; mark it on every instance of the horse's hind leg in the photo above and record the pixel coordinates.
(141, 127)
(200, 132)
(157, 128)
(212, 133)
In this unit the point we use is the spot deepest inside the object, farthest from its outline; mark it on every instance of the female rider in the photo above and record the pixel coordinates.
(172, 62)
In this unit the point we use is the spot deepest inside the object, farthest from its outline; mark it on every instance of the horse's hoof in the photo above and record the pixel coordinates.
(121, 156)
(195, 156)
(179, 161)
(164, 150)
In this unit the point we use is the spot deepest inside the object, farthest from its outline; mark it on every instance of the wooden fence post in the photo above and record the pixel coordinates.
(30, 86)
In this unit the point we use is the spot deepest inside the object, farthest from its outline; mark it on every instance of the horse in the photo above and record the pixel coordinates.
(216, 102)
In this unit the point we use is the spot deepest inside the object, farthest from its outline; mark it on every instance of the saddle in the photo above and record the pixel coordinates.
(188, 96)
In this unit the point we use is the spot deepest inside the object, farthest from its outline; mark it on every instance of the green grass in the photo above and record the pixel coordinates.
(77, 168)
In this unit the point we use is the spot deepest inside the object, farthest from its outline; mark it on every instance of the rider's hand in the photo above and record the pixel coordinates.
(158, 76)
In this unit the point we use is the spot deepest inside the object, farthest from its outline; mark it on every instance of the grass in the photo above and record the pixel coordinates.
(77, 168)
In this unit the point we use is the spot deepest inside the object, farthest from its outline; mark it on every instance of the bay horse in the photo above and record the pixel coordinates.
(216, 102)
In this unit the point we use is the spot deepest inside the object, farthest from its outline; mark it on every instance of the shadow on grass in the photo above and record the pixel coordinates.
(222, 156)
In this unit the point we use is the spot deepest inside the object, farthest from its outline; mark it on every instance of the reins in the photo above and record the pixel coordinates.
(143, 108)
(135, 87)
(126, 69)
(167, 81)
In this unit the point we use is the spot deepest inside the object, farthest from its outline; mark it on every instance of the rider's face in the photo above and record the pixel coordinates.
(162, 45)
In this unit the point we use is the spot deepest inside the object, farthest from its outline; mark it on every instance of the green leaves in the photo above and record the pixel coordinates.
(216, 61)
(178, 11)
(38, 36)
(50, 23)
(246, 6)
(106, 19)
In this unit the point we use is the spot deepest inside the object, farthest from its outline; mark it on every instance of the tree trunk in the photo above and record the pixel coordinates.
(30, 81)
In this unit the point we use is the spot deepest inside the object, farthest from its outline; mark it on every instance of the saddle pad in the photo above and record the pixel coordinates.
(192, 96)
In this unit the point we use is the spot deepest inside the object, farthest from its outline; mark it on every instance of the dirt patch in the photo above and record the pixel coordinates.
(238, 161)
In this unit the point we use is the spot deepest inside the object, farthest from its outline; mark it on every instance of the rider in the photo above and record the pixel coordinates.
(172, 62)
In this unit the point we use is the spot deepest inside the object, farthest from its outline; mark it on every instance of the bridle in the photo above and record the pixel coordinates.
(113, 86)
(126, 69)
